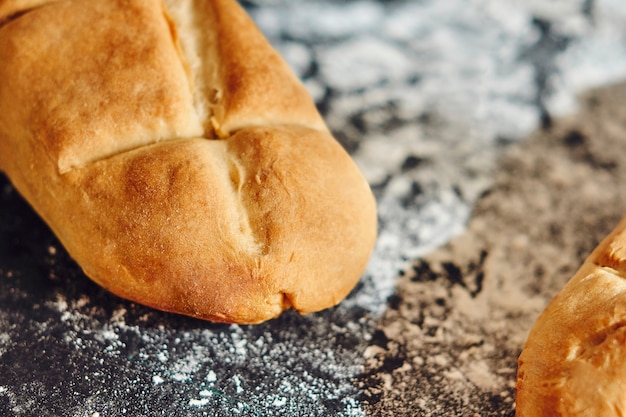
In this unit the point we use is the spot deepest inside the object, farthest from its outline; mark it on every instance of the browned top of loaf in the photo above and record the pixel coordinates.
(110, 114)
(130, 83)
(574, 361)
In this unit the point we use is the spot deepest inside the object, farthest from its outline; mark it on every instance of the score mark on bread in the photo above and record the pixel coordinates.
(177, 157)
(574, 360)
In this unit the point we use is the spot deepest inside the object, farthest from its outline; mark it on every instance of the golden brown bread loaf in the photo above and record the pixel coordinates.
(177, 158)
(574, 361)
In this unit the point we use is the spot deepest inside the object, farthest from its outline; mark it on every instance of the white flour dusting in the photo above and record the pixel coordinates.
(445, 83)
(424, 95)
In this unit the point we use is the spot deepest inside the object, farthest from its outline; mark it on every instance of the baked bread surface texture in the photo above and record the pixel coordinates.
(177, 157)
(574, 361)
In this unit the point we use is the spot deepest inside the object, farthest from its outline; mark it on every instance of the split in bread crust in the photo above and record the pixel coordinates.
(177, 157)
(574, 361)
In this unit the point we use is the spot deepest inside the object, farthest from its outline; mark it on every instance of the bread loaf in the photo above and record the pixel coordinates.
(574, 361)
(177, 158)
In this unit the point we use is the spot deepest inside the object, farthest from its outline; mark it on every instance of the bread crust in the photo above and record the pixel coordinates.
(178, 159)
(574, 361)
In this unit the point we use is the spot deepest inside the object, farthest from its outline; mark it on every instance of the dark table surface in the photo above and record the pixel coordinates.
(479, 129)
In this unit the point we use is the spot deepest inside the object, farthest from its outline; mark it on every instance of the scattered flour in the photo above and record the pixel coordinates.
(423, 94)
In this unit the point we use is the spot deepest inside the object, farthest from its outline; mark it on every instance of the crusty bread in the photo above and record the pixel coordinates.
(574, 361)
(178, 159)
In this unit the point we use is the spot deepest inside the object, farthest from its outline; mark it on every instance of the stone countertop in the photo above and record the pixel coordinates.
(491, 132)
